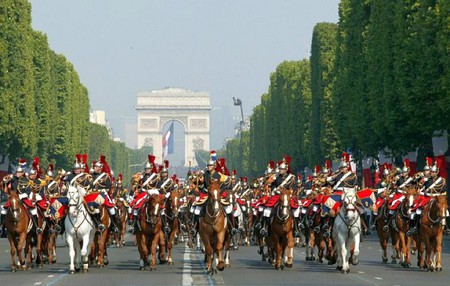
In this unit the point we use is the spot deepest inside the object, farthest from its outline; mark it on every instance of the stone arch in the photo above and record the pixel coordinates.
(158, 107)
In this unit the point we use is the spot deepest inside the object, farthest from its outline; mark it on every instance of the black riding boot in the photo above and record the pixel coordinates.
(301, 223)
(412, 227)
(2, 218)
(194, 225)
(132, 224)
(113, 218)
(35, 223)
(296, 227)
(97, 222)
(233, 229)
(165, 225)
(263, 232)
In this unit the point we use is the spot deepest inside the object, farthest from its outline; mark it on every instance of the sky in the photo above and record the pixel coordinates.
(227, 48)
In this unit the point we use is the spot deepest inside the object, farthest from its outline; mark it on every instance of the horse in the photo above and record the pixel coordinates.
(432, 225)
(149, 231)
(121, 222)
(99, 246)
(281, 230)
(347, 231)
(384, 232)
(313, 231)
(213, 228)
(402, 223)
(171, 214)
(79, 228)
(18, 223)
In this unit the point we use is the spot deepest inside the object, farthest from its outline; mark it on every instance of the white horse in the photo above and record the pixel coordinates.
(79, 228)
(347, 232)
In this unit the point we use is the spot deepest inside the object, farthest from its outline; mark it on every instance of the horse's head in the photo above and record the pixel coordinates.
(349, 207)
(154, 209)
(214, 194)
(173, 201)
(16, 205)
(74, 196)
(442, 205)
(410, 195)
(285, 197)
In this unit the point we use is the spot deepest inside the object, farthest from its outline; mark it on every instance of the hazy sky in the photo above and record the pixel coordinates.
(227, 48)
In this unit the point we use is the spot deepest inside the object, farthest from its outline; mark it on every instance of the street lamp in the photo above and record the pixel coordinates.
(238, 102)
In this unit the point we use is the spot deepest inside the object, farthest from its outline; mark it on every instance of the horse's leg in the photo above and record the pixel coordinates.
(289, 250)
(20, 248)
(227, 250)
(154, 243)
(219, 247)
(102, 240)
(39, 250)
(142, 248)
(170, 245)
(71, 243)
(439, 251)
(87, 238)
(162, 247)
(383, 243)
(13, 245)
(355, 255)
(344, 257)
(276, 244)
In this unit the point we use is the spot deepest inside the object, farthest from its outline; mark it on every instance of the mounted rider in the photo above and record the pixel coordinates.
(432, 184)
(146, 186)
(339, 182)
(24, 186)
(101, 186)
(164, 185)
(212, 173)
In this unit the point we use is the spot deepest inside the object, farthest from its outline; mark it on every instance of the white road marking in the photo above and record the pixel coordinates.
(361, 272)
(50, 276)
(187, 268)
(37, 283)
(378, 278)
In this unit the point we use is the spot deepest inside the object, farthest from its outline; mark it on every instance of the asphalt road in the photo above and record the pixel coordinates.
(246, 269)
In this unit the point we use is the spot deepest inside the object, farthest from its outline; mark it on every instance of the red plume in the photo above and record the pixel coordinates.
(120, 177)
(234, 172)
(429, 161)
(166, 163)
(328, 164)
(79, 159)
(151, 158)
(287, 160)
(317, 169)
(272, 164)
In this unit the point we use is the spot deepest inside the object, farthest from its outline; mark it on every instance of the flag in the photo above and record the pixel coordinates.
(167, 142)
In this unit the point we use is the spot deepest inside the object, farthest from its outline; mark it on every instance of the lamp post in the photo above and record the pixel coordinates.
(238, 102)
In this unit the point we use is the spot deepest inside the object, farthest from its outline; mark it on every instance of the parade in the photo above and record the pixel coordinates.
(216, 212)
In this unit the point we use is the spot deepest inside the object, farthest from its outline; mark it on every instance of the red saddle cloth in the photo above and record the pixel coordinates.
(379, 202)
(138, 200)
(260, 202)
(42, 204)
(99, 199)
(395, 201)
(306, 202)
(294, 203)
(241, 202)
(272, 201)
(25, 201)
(420, 202)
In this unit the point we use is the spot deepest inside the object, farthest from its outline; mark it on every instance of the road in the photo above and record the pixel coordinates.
(246, 269)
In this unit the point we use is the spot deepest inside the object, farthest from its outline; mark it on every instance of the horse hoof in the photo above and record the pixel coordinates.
(142, 268)
(355, 261)
(277, 267)
(77, 269)
(439, 269)
(13, 270)
(71, 271)
(394, 261)
(307, 258)
(170, 263)
(282, 267)
(288, 265)
(263, 258)
(228, 266)
(339, 268)
(385, 260)
(85, 270)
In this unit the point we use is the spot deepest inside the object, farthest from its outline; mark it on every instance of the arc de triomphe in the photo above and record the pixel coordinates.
(156, 108)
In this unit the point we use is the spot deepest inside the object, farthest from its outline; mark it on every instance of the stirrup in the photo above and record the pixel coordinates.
(167, 229)
(386, 228)
(38, 230)
(326, 234)
(301, 225)
(234, 231)
(325, 226)
(131, 229)
(258, 225)
(297, 234)
(317, 229)
(411, 231)
(193, 232)
(263, 232)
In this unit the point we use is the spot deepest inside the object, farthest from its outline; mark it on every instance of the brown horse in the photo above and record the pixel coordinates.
(49, 242)
(171, 213)
(281, 230)
(432, 225)
(402, 222)
(313, 233)
(213, 228)
(148, 232)
(384, 232)
(121, 222)
(18, 223)
(100, 244)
